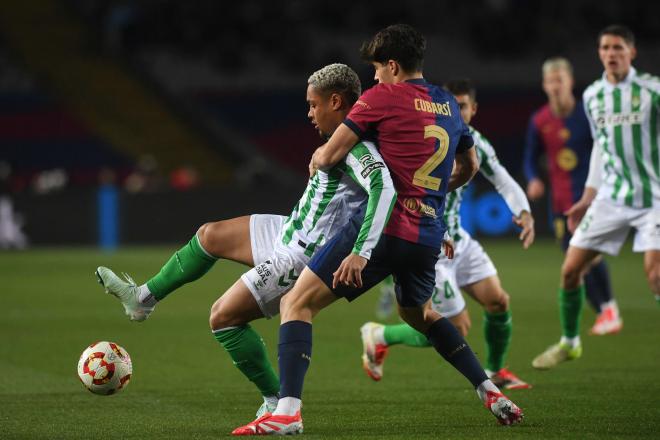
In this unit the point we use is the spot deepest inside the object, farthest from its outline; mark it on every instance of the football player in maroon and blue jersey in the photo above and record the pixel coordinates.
(560, 131)
(421, 136)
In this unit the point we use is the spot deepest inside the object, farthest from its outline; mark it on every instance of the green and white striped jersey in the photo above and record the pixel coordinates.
(491, 169)
(625, 127)
(332, 197)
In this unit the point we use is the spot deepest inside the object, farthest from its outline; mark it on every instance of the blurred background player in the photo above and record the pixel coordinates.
(560, 131)
(623, 187)
(471, 269)
(278, 247)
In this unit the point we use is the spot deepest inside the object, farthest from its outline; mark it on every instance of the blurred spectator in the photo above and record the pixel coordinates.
(11, 235)
(145, 177)
(50, 180)
(184, 178)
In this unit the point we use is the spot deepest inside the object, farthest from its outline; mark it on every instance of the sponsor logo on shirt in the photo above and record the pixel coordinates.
(369, 165)
(443, 109)
(360, 105)
(603, 121)
(418, 207)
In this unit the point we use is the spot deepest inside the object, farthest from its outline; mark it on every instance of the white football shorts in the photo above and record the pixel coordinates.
(277, 266)
(606, 225)
(469, 265)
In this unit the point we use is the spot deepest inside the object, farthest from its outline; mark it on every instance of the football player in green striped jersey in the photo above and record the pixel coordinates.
(622, 191)
(471, 269)
(277, 247)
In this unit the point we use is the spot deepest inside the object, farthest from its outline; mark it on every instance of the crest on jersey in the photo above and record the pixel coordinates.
(567, 159)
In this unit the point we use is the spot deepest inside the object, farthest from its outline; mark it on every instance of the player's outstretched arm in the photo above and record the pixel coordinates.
(339, 144)
(509, 189)
(466, 165)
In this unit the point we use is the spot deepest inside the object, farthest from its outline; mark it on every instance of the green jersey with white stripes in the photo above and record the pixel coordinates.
(625, 127)
(332, 197)
(491, 169)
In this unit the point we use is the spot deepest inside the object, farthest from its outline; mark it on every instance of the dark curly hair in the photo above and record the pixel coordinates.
(399, 42)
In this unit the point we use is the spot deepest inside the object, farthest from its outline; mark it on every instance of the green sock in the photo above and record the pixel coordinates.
(406, 335)
(570, 309)
(187, 264)
(497, 333)
(248, 352)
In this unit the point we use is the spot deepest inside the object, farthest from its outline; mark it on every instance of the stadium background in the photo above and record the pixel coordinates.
(184, 112)
(124, 125)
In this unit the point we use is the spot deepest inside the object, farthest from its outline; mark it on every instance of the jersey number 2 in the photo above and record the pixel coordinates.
(422, 176)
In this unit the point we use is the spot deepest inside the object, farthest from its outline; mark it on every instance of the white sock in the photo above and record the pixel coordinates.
(379, 335)
(287, 406)
(614, 306)
(486, 386)
(145, 297)
(571, 342)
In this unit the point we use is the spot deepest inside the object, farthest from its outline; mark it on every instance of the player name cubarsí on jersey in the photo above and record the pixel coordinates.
(333, 197)
(625, 125)
(422, 105)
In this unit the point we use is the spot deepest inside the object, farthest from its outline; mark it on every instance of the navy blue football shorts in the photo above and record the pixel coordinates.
(411, 264)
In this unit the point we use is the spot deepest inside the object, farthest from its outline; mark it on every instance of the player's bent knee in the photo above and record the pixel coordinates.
(463, 327)
(222, 317)
(653, 277)
(292, 305)
(420, 318)
(570, 275)
(500, 303)
(210, 237)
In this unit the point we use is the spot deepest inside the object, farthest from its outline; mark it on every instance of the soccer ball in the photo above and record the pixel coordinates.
(104, 368)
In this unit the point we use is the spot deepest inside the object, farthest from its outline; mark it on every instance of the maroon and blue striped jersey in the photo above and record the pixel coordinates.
(566, 143)
(418, 129)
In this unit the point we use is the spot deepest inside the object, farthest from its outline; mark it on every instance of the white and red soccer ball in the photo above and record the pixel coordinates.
(105, 368)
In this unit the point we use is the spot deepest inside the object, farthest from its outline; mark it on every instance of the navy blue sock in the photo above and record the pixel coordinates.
(597, 283)
(450, 344)
(295, 353)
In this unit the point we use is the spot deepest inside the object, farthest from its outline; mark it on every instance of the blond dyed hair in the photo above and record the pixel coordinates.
(557, 63)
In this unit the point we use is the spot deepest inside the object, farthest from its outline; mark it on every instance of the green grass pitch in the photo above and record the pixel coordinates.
(185, 387)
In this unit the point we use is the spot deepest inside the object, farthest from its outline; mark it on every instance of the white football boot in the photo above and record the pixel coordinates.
(126, 291)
